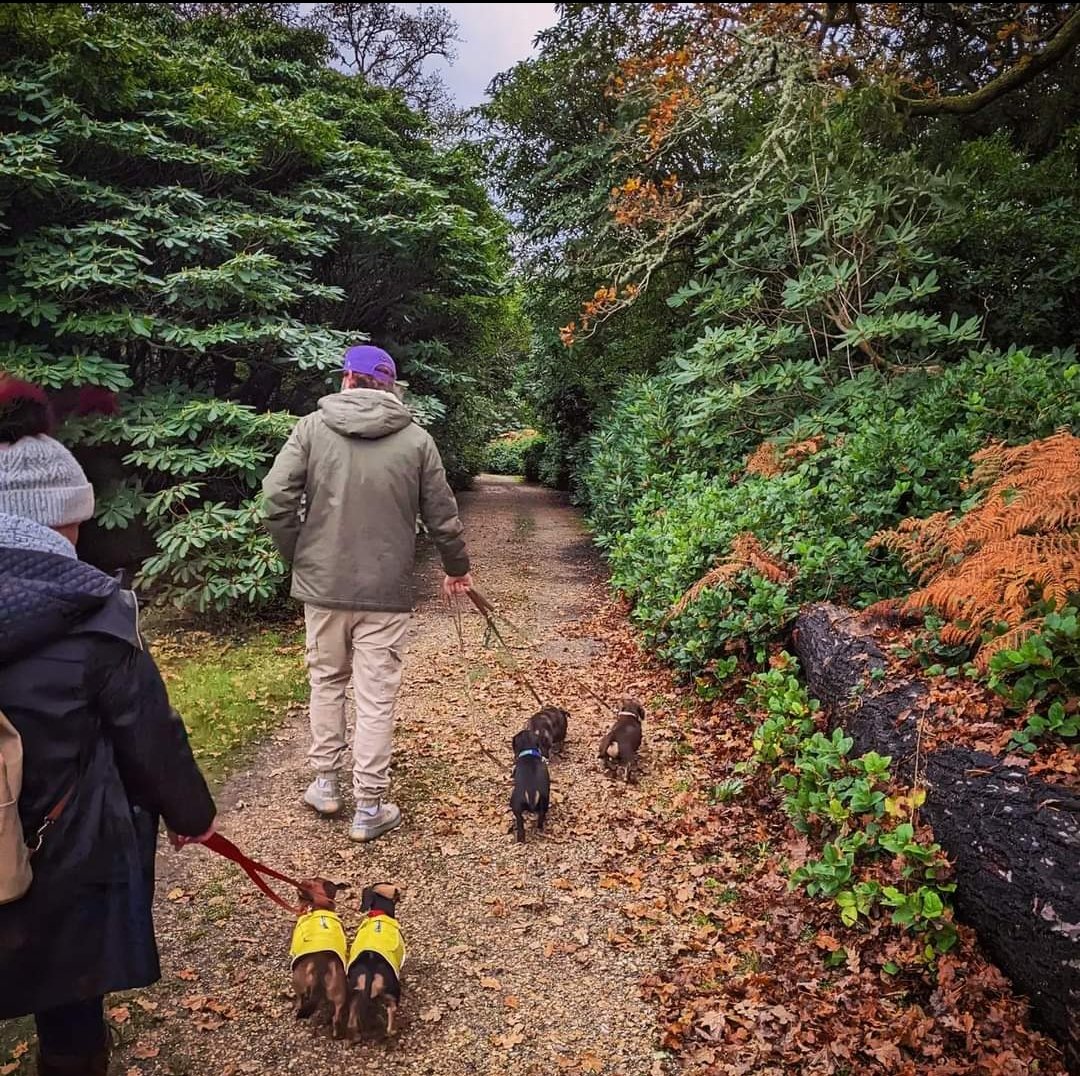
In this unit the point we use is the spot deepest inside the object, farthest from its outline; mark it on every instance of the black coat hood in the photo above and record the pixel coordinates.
(44, 596)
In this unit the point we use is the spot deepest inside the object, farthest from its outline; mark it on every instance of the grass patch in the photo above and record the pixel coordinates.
(231, 691)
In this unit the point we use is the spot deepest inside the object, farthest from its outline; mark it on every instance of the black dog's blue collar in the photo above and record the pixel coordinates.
(530, 752)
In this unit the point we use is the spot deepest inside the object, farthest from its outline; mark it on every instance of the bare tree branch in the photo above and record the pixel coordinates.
(1025, 69)
(389, 45)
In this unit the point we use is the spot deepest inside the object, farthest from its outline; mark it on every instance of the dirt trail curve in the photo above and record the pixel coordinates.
(517, 958)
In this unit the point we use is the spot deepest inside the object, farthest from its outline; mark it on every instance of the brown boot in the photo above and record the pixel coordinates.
(96, 1064)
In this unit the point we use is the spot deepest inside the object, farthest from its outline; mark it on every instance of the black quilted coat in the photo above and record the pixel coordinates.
(91, 709)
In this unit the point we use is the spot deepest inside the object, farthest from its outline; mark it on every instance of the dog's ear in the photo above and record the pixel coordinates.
(365, 897)
(388, 890)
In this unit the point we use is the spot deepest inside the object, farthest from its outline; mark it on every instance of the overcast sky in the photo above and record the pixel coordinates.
(493, 38)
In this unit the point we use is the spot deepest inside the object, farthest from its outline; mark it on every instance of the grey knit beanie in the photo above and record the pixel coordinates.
(42, 480)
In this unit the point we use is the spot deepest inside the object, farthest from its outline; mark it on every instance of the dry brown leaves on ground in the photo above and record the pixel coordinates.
(761, 980)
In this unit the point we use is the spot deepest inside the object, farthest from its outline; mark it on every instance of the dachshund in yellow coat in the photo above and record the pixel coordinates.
(375, 960)
(318, 955)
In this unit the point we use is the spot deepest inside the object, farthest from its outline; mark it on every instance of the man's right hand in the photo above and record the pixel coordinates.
(453, 585)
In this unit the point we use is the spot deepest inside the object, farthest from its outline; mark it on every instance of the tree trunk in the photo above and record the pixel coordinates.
(1014, 840)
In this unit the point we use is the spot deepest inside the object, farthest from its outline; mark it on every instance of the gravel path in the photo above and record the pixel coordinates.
(520, 957)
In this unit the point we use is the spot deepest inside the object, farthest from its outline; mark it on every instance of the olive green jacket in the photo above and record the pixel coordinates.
(342, 499)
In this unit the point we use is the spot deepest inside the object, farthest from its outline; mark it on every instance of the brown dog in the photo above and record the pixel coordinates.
(318, 955)
(375, 960)
(550, 726)
(620, 746)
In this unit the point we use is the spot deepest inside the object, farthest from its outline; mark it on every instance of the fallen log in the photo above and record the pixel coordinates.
(1014, 840)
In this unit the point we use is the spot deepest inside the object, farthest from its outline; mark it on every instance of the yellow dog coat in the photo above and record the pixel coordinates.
(318, 932)
(380, 934)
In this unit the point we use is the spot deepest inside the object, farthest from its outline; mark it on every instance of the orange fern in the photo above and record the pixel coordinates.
(746, 552)
(768, 461)
(1018, 547)
(764, 461)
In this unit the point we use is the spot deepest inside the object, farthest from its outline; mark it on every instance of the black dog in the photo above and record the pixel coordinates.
(375, 960)
(550, 726)
(623, 740)
(532, 784)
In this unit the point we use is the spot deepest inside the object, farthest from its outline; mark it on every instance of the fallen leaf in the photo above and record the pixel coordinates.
(514, 1037)
(145, 1005)
(510, 1001)
(146, 1051)
(175, 894)
(189, 975)
(20, 1049)
(120, 1015)
(826, 942)
(432, 1015)
(490, 984)
(6, 1070)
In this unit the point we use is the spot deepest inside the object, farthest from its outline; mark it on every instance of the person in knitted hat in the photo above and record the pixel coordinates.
(40, 480)
(342, 501)
(103, 755)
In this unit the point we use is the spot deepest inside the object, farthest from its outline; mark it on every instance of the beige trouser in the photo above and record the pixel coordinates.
(369, 648)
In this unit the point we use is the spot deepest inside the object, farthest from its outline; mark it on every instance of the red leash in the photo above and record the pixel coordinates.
(253, 869)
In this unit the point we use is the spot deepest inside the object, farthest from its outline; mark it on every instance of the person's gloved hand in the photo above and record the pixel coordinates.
(453, 585)
(178, 841)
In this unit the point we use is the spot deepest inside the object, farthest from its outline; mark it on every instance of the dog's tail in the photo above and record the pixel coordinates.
(360, 1004)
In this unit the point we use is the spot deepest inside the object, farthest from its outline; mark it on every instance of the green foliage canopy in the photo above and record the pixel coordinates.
(202, 215)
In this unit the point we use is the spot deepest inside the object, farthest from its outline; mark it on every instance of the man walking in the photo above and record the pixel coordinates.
(342, 500)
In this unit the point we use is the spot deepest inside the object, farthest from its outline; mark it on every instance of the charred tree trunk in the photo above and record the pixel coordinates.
(1014, 839)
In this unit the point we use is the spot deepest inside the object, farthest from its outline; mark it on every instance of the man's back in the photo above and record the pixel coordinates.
(343, 497)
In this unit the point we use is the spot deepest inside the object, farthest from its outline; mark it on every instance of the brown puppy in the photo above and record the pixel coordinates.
(318, 955)
(550, 726)
(375, 960)
(620, 746)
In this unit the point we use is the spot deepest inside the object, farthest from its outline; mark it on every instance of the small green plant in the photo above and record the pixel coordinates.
(937, 657)
(727, 790)
(844, 802)
(1043, 674)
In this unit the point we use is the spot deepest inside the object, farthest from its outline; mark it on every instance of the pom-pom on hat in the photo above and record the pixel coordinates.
(39, 478)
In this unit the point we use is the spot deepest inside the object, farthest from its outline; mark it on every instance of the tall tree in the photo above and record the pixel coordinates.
(201, 214)
(390, 46)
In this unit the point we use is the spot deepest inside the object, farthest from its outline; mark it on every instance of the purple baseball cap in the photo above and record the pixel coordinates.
(373, 361)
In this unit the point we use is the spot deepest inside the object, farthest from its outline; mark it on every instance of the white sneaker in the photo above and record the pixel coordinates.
(366, 827)
(322, 794)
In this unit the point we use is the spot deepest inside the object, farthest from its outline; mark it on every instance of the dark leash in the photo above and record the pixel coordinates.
(488, 612)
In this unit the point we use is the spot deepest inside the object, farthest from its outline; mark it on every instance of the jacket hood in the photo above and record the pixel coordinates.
(44, 596)
(368, 413)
